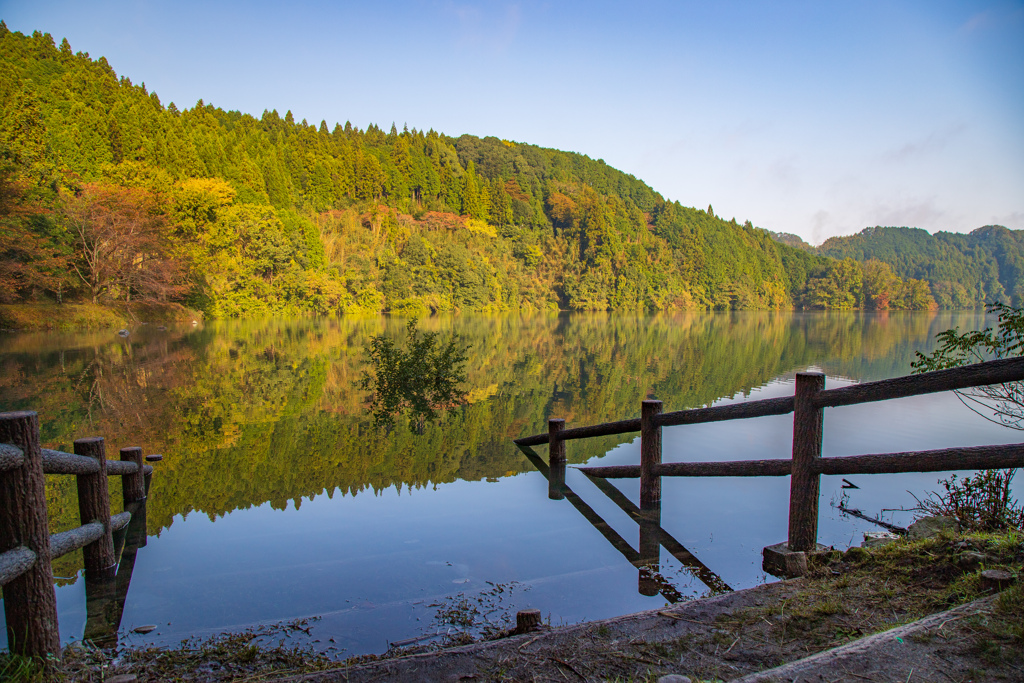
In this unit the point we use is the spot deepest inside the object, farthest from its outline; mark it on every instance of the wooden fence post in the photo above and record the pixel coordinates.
(650, 455)
(805, 480)
(94, 505)
(30, 605)
(556, 459)
(556, 447)
(133, 486)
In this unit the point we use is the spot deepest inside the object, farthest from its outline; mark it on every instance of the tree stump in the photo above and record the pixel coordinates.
(996, 580)
(527, 620)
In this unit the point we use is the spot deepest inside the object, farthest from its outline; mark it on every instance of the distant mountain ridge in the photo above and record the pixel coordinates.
(962, 270)
(792, 240)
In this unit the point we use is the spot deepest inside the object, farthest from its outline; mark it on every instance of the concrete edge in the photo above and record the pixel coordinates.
(862, 648)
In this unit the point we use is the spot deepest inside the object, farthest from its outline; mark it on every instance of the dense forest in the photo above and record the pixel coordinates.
(962, 271)
(109, 196)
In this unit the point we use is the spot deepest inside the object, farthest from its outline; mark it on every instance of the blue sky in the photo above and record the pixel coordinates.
(817, 118)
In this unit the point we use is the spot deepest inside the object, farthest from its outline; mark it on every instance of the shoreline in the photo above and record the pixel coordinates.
(85, 317)
(846, 598)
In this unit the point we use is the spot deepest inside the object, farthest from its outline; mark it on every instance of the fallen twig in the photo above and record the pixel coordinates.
(854, 512)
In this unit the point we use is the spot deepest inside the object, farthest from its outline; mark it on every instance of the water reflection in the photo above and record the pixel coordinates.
(647, 559)
(257, 419)
(256, 411)
(105, 596)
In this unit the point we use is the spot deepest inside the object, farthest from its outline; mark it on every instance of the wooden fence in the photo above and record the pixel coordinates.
(26, 545)
(806, 465)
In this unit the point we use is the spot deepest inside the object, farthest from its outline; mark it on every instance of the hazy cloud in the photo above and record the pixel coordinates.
(992, 19)
(934, 142)
(487, 25)
(1013, 220)
(978, 22)
(920, 213)
(740, 134)
(785, 174)
(821, 227)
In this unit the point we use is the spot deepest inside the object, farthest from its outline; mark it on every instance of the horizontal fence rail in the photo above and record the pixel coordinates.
(732, 411)
(59, 462)
(69, 541)
(981, 374)
(26, 546)
(604, 429)
(739, 468)
(940, 460)
(805, 466)
(14, 563)
(978, 375)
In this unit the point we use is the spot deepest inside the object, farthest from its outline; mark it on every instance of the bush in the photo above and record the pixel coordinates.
(979, 503)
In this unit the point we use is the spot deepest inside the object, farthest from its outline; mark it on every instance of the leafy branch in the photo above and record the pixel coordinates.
(1005, 401)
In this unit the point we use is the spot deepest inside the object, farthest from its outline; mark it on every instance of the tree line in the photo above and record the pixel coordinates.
(962, 270)
(109, 196)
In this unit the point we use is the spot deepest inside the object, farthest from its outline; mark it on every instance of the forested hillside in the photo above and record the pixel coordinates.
(108, 195)
(963, 271)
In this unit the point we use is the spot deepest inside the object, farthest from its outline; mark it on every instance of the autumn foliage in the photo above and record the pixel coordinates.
(122, 245)
(110, 196)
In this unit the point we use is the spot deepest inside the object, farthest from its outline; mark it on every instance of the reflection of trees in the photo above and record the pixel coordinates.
(93, 384)
(249, 412)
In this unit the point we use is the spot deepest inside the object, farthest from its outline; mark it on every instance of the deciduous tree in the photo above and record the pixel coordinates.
(121, 243)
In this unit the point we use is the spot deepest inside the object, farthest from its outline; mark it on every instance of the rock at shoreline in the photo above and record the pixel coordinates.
(926, 527)
(873, 539)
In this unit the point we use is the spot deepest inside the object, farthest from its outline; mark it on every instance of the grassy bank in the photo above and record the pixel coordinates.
(68, 317)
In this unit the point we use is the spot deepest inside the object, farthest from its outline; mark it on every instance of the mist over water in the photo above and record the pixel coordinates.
(278, 499)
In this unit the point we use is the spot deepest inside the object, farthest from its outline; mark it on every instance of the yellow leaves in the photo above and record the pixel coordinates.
(198, 203)
(478, 226)
(214, 190)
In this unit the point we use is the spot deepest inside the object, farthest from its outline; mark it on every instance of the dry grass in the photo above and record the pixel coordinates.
(59, 317)
(66, 317)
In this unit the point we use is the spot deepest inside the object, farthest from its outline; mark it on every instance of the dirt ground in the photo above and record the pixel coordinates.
(845, 598)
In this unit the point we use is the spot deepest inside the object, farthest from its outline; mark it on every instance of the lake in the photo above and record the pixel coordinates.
(277, 498)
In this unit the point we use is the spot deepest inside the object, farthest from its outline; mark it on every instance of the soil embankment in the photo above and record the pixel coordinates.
(909, 611)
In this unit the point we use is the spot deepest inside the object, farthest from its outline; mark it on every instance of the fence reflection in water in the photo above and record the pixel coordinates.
(805, 466)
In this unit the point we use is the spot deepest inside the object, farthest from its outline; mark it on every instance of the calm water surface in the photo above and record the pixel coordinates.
(277, 499)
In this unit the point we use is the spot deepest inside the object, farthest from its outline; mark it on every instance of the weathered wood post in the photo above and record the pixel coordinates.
(650, 455)
(556, 459)
(30, 605)
(133, 486)
(804, 482)
(650, 497)
(94, 506)
(527, 620)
